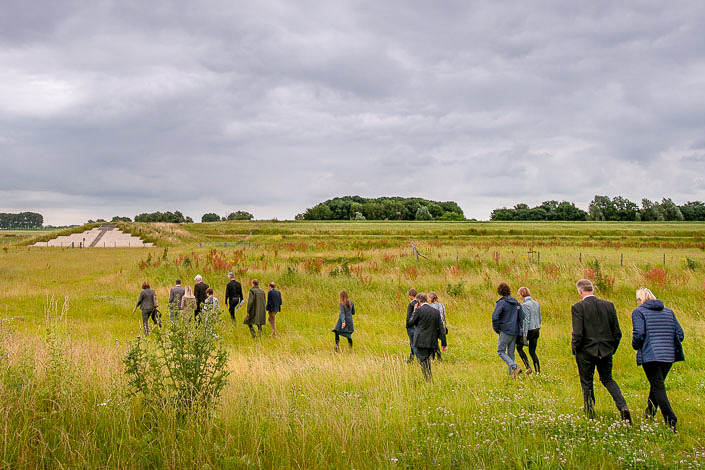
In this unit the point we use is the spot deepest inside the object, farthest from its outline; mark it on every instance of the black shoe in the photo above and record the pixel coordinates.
(626, 416)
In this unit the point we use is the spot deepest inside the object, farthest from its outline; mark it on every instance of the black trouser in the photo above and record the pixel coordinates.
(533, 337)
(656, 373)
(337, 339)
(586, 368)
(252, 330)
(424, 357)
(232, 303)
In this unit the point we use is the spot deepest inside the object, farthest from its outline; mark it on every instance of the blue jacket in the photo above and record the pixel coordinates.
(657, 335)
(508, 316)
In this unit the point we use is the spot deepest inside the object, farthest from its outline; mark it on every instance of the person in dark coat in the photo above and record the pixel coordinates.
(410, 331)
(256, 309)
(657, 338)
(199, 291)
(147, 302)
(344, 325)
(428, 329)
(596, 336)
(507, 320)
(233, 295)
(175, 295)
(274, 306)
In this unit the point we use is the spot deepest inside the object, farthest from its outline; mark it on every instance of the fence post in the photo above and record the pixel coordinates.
(621, 259)
(581, 258)
(538, 257)
(664, 260)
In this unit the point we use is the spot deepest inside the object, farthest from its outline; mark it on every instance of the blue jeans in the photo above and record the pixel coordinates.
(505, 349)
(410, 332)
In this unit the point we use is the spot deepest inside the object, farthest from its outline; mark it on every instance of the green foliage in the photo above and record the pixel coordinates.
(210, 217)
(548, 210)
(22, 220)
(691, 264)
(359, 216)
(240, 215)
(183, 365)
(423, 214)
(599, 279)
(383, 208)
(456, 289)
(174, 217)
(117, 218)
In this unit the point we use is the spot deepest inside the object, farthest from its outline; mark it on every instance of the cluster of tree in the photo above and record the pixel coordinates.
(174, 217)
(619, 208)
(22, 220)
(383, 208)
(605, 208)
(237, 215)
(548, 210)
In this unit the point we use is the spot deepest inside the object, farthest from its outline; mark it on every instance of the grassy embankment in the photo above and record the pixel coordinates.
(292, 402)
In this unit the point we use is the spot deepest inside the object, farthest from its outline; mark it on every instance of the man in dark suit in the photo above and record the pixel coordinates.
(199, 291)
(428, 329)
(274, 306)
(410, 331)
(233, 294)
(596, 336)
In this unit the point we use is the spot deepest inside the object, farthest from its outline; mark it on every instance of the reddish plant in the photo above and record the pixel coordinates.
(656, 275)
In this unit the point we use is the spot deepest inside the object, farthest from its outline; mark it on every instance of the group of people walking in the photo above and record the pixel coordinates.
(202, 300)
(656, 336)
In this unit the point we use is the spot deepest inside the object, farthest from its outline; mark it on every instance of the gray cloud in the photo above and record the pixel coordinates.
(114, 108)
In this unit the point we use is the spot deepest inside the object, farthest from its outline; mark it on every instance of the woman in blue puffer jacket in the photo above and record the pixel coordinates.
(657, 338)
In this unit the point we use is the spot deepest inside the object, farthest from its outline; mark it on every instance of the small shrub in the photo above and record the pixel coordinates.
(690, 263)
(602, 281)
(456, 290)
(181, 365)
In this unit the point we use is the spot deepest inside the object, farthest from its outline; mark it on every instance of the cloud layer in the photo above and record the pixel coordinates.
(113, 108)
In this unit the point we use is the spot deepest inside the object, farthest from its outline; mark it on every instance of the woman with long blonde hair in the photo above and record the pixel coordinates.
(344, 326)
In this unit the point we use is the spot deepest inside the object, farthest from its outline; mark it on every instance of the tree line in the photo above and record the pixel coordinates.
(604, 208)
(382, 208)
(22, 220)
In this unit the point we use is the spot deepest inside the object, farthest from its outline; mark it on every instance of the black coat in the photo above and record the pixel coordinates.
(233, 293)
(429, 327)
(410, 310)
(199, 291)
(595, 327)
(274, 301)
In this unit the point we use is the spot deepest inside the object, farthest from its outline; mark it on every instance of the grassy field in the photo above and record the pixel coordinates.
(292, 402)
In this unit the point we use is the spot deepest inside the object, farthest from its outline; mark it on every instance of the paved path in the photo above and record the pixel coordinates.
(103, 229)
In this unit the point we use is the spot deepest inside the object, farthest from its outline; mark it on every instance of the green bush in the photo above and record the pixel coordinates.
(182, 365)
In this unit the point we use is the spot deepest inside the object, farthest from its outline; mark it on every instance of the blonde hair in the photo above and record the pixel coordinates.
(432, 297)
(643, 294)
(524, 292)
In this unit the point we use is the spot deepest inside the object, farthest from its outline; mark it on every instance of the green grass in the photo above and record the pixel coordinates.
(292, 402)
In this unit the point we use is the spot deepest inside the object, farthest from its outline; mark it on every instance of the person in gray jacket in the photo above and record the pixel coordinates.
(175, 295)
(147, 302)
(530, 330)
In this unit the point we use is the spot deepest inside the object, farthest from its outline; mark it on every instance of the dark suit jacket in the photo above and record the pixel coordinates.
(274, 301)
(199, 291)
(595, 327)
(233, 293)
(429, 327)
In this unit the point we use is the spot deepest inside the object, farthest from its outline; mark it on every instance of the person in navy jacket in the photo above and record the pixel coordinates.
(507, 320)
(657, 338)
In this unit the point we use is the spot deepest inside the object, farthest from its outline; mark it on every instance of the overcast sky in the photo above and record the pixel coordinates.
(116, 107)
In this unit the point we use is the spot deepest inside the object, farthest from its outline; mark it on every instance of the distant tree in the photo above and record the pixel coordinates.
(423, 214)
(240, 215)
(670, 210)
(693, 210)
(601, 208)
(651, 211)
(21, 220)
(101, 220)
(121, 219)
(210, 217)
(188, 220)
(359, 216)
(392, 208)
(174, 217)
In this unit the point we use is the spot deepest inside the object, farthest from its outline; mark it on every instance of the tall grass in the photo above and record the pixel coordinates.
(292, 402)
